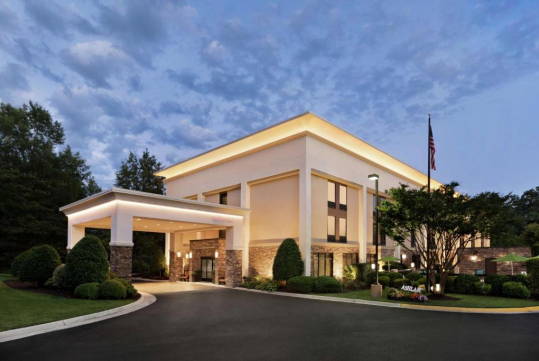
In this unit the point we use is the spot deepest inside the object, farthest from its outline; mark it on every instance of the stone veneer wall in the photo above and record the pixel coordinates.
(233, 268)
(121, 260)
(175, 267)
(206, 248)
(261, 260)
(338, 252)
(466, 265)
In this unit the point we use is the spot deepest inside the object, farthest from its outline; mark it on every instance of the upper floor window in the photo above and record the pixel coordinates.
(337, 210)
(332, 192)
(223, 198)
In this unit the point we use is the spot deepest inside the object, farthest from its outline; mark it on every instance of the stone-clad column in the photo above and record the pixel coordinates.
(175, 268)
(233, 268)
(121, 258)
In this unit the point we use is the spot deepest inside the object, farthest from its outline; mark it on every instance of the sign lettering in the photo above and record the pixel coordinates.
(221, 220)
(412, 289)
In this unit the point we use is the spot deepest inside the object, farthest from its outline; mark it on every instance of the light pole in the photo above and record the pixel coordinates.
(376, 289)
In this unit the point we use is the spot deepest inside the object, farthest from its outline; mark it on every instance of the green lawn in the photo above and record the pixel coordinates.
(19, 308)
(465, 300)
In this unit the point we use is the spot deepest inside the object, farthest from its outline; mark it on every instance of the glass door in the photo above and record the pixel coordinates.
(206, 269)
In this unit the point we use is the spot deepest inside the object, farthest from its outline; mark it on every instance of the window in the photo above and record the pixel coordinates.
(342, 197)
(222, 233)
(331, 194)
(342, 229)
(323, 264)
(349, 259)
(412, 239)
(223, 198)
(331, 228)
(337, 194)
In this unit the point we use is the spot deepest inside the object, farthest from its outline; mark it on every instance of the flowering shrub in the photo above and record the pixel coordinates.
(394, 294)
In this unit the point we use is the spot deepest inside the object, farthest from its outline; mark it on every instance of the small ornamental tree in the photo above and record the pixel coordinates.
(87, 262)
(287, 262)
(40, 264)
(454, 220)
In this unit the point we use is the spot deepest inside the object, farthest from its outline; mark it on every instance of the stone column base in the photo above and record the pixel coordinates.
(233, 268)
(175, 268)
(121, 260)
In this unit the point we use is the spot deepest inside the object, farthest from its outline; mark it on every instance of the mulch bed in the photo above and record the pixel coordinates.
(33, 287)
(438, 297)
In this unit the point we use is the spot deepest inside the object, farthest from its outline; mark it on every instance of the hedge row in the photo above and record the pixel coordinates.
(115, 289)
(307, 284)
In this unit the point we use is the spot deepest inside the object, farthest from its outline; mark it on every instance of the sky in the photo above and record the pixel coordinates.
(182, 77)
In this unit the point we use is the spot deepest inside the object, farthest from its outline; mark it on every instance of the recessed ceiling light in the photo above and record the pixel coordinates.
(171, 222)
(158, 224)
(194, 224)
(181, 226)
(145, 226)
(168, 228)
(138, 219)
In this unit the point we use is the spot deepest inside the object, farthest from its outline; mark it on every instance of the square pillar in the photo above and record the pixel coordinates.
(305, 217)
(121, 242)
(175, 268)
(246, 203)
(121, 261)
(233, 268)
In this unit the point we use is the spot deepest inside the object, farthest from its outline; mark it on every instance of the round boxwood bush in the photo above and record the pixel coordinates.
(532, 266)
(18, 261)
(496, 281)
(515, 290)
(384, 281)
(413, 276)
(482, 289)
(300, 284)
(422, 281)
(399, 283)
(130, 290)
(393, 276)
(112, 290)
(326, 284)
(87, 262)
(464, 284)
(59, 277)
(524, 279)
(87, 291)
(40, 264)
(287, 262)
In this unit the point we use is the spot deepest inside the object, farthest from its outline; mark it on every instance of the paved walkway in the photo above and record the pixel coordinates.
(204, 322)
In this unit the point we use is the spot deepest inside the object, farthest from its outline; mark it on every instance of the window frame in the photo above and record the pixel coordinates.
(223, 196)
(316, 264)
(339, 211)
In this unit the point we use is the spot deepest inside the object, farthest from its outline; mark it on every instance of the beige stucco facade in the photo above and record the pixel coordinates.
(276, 181)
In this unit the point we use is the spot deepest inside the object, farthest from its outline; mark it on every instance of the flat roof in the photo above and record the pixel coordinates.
(303, 124)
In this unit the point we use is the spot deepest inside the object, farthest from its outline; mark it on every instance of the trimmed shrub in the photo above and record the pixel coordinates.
(393, 276)
(87, 262)
(450, 284)
(112, 290)
(422, 281)
(251, 282)
(535, 250)
(268, 285)
(300, 284)
(532, 267)
(40, 264)
(515, 290)
(87, 291)
(287, 262)
(413, 276)
(370, 277)
(464, 284)
(130, 290)
(363, 269)
(496, 281)
(18, 261)
(524, 279)
(399, 283)
(59, 277)
(384, 281)
(326, 284)
(482, 289)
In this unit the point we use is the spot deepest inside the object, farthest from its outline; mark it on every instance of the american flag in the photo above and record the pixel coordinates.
(432, 149)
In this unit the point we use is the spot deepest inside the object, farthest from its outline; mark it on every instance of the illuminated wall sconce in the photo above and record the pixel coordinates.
(403, 256)
(191, 255)
(412, 265)
(373, 266)
(216, 254)
(473, 258)
(179, 254)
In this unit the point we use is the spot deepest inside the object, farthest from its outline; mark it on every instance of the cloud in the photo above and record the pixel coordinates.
(12, 77)
(97, 61)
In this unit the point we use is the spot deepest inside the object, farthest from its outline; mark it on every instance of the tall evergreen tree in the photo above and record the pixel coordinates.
(36, 179)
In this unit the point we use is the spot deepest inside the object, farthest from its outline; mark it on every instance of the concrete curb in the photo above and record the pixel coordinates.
(406, 306)
(145, 300)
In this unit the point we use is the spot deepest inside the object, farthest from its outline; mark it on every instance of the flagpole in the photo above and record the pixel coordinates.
(428, 225)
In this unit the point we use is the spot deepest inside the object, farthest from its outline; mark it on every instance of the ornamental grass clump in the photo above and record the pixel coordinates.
(287, 262)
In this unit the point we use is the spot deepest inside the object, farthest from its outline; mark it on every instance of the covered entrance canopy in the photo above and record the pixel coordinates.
(124, 211)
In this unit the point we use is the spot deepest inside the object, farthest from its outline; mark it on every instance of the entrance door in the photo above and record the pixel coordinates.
(490, 267)
(206, 269)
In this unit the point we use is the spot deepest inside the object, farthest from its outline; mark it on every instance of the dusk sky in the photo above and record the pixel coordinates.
(180, 78)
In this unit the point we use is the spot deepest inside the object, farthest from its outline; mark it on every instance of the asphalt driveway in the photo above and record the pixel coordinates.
(207, 323)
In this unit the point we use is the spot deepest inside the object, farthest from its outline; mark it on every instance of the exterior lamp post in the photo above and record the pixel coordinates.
(376, 289)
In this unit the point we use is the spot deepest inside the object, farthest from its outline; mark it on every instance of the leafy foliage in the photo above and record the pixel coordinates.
(384, 281)
(59, 279)
(112, 290)
(287, 262)
(87, 262)
(482, 289)
(18, 261)
(515, 290)
(88, 291)
(496, 281)
(465, 284)
(138, 174)
(40, 264)
(532, 267)
(37, 180)
(130, 290)
(326, 284)
(531, 234)
(268, 285)
(300, 284)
